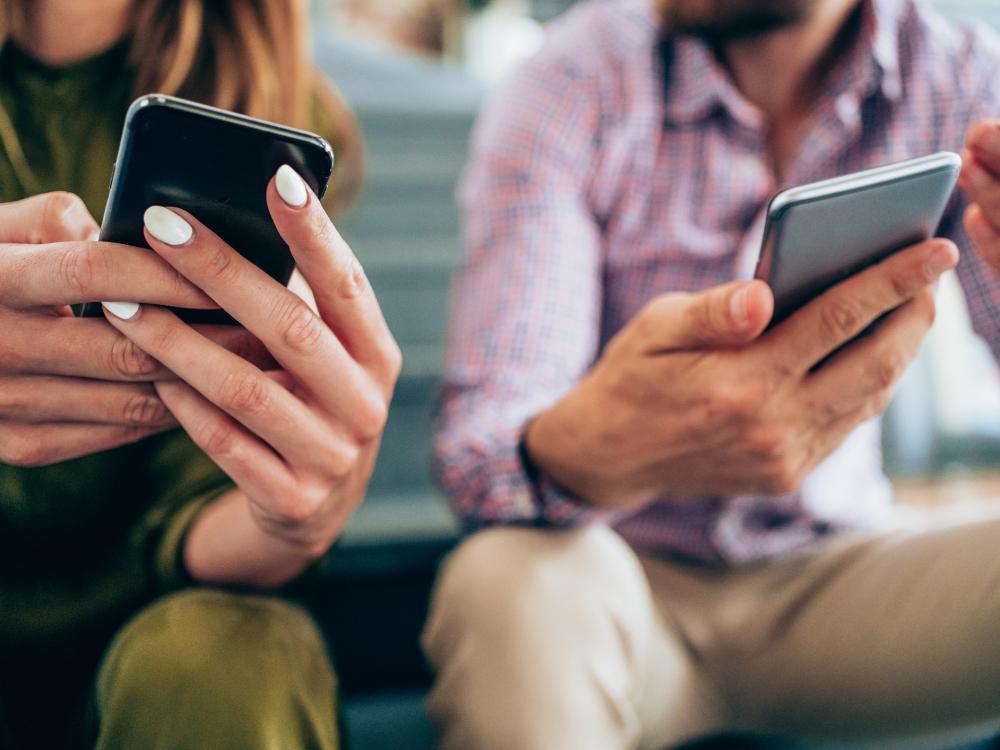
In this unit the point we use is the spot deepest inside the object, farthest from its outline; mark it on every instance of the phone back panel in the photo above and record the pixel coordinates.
(216, 165)
(810, 245)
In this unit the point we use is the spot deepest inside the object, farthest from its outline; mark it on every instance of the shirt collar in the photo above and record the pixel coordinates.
(696, 83)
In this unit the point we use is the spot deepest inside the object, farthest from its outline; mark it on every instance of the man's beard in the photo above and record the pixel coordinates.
(719, 21)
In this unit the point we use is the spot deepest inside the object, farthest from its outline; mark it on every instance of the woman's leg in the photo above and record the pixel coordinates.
(211, 669)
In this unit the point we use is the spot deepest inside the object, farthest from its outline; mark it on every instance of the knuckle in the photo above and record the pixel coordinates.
(81, 266)
(880, 401)
(392, 359)
(300, 328)
(128, 361)
(145, 409)
(299, 511)
(889, 369)
(902, 286)
(339, 460)
(58, 213)
(839, 318)
(782, 476)
(14, 402)
(10, 357)
(354, 281)
(24, 452)
(767, 442)
(219, 265)
(217, 439)
(737, 402)
(244, 393)
(321, 229)
(372, 419)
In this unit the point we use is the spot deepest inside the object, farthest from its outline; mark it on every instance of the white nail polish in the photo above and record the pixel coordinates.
(123, 310)
(166, 226)
(290, 187)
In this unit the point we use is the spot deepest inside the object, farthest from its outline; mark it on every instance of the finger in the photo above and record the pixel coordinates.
(727, 315)
(296, 337)
(63, 273)
(841, 313)
(74, 347)
(49, 217)
(861, 378)
(89, 348)
(239, 389)
(240, 342)
(32, 445)
(344, 297)
(984, 234)
(250, 463)
(983, 141)
(41, 400)
(983, 188)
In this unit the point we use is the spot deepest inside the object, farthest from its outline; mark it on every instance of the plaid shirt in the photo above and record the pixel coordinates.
(621, 163)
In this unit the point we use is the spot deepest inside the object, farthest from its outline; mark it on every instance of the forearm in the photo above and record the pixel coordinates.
(226, 546)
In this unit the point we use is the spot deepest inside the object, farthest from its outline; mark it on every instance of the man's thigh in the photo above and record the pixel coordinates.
(550, 639)
(894, 635)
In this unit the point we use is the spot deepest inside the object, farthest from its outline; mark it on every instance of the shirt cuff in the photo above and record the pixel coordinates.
(556, 506)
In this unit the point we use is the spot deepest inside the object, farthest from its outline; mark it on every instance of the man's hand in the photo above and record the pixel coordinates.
(69, 386)
(691, 398)
(980, 179)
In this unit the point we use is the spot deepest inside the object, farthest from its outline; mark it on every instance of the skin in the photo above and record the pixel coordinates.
(299, 444)
(291, 405)
(692, 395)
(70, 386)
(62, 31)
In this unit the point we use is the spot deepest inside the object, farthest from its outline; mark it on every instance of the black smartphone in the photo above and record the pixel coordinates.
(215, 164)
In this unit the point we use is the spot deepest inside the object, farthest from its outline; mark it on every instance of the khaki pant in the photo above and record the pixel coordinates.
(545, 640)
(209, 670)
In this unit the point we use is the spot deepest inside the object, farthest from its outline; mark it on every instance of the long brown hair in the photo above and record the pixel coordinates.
(250, 56)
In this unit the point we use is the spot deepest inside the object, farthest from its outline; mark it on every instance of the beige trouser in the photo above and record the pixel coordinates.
(545, 640)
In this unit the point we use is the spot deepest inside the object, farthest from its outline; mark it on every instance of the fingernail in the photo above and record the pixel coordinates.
(739, 305)
(122, 310)
(290, 187)
(166, 226)
(943, 259)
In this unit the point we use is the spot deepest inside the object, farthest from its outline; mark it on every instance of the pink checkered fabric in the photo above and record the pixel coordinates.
(621, 163)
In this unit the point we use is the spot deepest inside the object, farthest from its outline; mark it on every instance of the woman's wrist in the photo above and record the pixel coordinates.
(226, 545)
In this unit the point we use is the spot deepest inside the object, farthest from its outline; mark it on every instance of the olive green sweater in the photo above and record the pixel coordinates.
(86, 542)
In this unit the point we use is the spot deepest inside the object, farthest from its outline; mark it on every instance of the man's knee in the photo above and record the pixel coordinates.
(504, 578)
(213, 656)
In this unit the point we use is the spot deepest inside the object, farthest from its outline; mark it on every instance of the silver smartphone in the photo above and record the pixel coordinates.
(819, 234)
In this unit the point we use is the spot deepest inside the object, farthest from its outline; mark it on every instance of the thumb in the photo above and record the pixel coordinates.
(49, 217)
(727, 315)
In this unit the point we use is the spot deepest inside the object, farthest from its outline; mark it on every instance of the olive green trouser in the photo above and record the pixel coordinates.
(211, 669)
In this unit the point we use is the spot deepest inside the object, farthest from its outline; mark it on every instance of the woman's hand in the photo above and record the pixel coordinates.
(69, 386)
(980, 179)
(299, 443)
